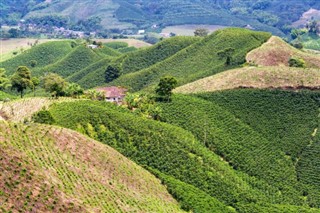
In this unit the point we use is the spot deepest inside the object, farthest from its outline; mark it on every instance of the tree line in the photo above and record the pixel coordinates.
(52, 83)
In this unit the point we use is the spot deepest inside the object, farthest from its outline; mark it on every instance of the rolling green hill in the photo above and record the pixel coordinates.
(199, 60)
(262, 133)
(44, 54)
(273, 16)
(147, 57)
(91, 76)
(225, 160)
(76, 60)
(50, 169)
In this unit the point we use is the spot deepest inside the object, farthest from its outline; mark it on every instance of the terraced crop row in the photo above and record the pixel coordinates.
(93, 174)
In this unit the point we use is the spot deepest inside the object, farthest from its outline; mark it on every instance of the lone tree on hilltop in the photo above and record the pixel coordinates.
(201, 32)
(165, 87)
(21, 80)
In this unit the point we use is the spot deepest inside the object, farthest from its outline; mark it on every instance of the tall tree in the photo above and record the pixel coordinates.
(165, 87)
(35, 83)
(112, 72)
(54, 84)
(74, 90)
(202, 32)
(21, 80)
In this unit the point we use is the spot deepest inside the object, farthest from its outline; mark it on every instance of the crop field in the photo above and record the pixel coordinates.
(256, 77)
(78, 173)
(198, 60)
(7, 47)
(131, 42)
(188, 30)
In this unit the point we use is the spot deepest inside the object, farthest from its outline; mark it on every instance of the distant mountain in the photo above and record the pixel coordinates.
(268, 15)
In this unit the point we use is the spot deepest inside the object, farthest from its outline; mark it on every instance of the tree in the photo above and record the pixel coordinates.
(4, 81)
(227, 54)
(201, 32)
(54, 84)
(296, 62)
(313, 27)
(21, 79)
(35, 83)
(112, 72)
(95, 95)
(33, 63)
(74, 90)
(165, 87)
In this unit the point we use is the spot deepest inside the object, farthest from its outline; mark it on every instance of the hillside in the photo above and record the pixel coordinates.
(262, 133)
(238, 180)
(276, 52)
(272, 16)
(52, 169)
(147, 57)
(201, 59)
(44, 54)
(256, 77)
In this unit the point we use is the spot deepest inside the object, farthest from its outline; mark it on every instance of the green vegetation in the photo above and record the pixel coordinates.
(267, 15)
(197, 60)
(5, 96)
(54, 84)
(43, 116)
(165, 87)
(116, 45)
(78, 59)
(297, 62)
(91, 76)
(245, 168)
(21, 80)
(50, 169)
(261, 133)
(143, 140)
(147, 57)
(44, 54)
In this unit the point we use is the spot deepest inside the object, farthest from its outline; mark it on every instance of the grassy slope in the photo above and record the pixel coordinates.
(277, 52)
(289, 121)
(60, 169)
(143, 141)
(184, 164)
(198, 60)
(159, 52)
(91, 76)
(272, 128)
(44, 54)
(76, 60)
(107, 51)
(83, 10)
(255, 77)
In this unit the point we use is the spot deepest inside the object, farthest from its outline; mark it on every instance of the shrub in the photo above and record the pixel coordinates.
(296, 62)
(43, 116)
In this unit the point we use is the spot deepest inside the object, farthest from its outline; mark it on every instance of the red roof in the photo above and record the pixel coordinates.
(112, 92)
